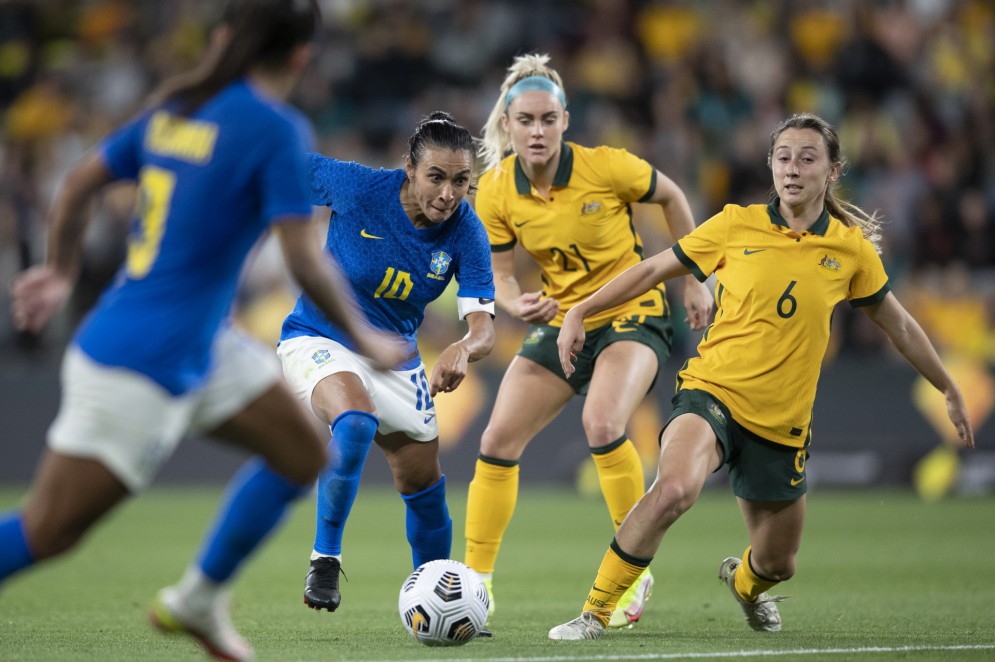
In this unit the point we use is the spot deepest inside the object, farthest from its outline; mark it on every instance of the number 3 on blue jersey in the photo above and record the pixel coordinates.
(155, 193)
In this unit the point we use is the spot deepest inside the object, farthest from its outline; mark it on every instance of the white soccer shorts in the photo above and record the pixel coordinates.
(132, 425)
(401, 397)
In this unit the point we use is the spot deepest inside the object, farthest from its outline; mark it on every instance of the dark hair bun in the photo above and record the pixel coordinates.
(439, 115)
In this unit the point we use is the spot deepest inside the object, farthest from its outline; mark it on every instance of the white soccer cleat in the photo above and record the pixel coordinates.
(633, 601)
(761, 615)
(211, 626)
(585, 626)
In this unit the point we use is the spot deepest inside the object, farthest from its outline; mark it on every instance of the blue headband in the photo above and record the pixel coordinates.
(535, 84)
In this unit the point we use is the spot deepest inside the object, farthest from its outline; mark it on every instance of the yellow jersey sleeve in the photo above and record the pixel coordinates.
(632, 178)
(492, 208)
(703, 249)
(869, 284)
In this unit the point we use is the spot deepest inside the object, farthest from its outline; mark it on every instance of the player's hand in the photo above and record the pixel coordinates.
(536, 309)
(449, 369)
(36, 295)
(384, 349)
(570, 341)
(698, 302)
(957, 411)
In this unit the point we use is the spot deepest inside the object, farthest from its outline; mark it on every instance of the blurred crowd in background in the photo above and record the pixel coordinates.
(694, 87)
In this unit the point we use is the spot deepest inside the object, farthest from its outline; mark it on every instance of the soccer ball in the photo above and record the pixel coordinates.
(443, 603)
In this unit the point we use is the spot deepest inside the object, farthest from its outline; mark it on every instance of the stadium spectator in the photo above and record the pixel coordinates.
(402, 235)
(219, 157)
(783, 58)
(570, 208)
(747, 399)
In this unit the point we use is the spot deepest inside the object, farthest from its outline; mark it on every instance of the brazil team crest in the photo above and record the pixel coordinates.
(440, 262)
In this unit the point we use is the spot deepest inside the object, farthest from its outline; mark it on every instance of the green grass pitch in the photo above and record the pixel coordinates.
(882, 576)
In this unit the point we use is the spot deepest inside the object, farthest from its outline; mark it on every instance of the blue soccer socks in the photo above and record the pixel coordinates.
(254, 503)
(429, 527)
(352, 436)
(15, 555)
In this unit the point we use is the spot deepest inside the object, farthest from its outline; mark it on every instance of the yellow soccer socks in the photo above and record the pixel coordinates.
(617, 572)
(620, 472)
(749, 585)
(490, 504)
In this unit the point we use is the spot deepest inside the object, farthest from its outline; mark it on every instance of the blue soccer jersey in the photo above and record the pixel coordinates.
(208, 186)
(395, 268)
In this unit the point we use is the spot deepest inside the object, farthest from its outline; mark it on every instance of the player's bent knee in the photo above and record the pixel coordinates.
(602, 430)
(501, 445)
(669, 500)
(412, 482)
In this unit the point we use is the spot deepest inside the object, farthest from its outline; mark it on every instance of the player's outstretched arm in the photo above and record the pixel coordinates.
(909, 338)
(39, 292)
(320, 278)
(632, 282)
(451, 366)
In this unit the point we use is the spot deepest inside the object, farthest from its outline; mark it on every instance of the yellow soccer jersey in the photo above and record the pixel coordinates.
(775, 295)
(583, 235)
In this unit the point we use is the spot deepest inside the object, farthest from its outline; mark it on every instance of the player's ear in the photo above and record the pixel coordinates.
(409, 168)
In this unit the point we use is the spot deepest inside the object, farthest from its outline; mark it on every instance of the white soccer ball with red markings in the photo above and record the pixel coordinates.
(443, 603)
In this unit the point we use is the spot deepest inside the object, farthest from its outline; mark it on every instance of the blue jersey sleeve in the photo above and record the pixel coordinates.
(122, 149)
(334, 183)
(473, 273)
(283, 180)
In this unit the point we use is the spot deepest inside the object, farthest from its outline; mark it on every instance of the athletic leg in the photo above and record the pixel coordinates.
(419, 480)
(342, 400)
(246, 404)
(775, 529)
(689, 452)
(69, 494)
(623, 373)
(530, 396)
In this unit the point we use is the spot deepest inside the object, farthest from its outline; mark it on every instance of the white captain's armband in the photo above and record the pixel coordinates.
(467, 305)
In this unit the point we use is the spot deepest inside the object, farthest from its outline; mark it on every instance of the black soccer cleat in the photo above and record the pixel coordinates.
(321, 586)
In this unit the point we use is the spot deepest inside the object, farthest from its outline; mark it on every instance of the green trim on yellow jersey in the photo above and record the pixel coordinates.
(689, 263)
(564, 168)
(819, 227)
(649, 194)
(777, 289)
(581, 233)
(873, 299)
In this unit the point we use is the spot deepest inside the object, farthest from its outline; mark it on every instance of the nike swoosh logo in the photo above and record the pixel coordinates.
(366, 235)
(518, 225)
(485, 302)
(747, 251)
(599, 590)
(428, 419)
(796, 481)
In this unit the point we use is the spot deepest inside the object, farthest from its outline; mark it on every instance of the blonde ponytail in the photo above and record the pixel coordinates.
(496, 143)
